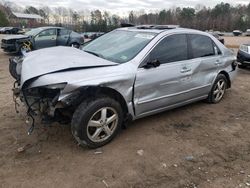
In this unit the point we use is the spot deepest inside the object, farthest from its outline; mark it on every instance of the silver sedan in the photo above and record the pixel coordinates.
(124, 75)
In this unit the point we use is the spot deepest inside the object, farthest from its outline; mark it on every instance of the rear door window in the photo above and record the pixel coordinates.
(63, 32)
(171, 49)
(201, 46)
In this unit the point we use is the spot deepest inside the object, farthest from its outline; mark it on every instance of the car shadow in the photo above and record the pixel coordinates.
(171, 112)
(245, 70)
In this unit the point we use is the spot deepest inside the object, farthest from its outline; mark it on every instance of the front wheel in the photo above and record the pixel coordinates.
(218, 90)
(75, 45)
(97, 122)
(25, 47)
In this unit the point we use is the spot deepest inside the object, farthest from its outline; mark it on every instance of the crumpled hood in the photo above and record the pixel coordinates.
(15, 37)
(49, 60)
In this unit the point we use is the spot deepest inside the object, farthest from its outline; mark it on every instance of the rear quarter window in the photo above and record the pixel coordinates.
(62, 32)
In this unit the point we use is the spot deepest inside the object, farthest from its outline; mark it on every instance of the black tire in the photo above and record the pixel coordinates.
(12, 69)
(7, 32)
(86, 111)
(75, 45)
(211, 97)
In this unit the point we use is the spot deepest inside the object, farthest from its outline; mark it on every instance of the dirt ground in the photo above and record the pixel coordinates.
(199, 145)
(235, 42)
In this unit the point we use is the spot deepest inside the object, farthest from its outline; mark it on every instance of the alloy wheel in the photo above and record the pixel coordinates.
(102, 124)
(219, 90)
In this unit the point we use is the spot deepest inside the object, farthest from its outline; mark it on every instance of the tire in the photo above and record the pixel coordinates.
(7, 32)
(75, 45)
(91, 111)
(216, 94)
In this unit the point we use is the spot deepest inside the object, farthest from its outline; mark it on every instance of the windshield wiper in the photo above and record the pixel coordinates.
(93, 53)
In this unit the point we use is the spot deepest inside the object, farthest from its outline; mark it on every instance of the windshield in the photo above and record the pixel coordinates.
(119, 46)
(33, 32)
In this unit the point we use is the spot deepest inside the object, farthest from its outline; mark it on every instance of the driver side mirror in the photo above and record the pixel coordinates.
(152, 64)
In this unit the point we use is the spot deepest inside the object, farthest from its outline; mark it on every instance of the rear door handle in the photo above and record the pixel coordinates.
(185, 70)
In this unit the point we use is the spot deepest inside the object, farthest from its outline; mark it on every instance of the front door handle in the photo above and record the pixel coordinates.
(185, 70)
(218, 62)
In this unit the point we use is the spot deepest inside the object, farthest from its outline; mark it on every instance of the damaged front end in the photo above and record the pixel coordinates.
(51, 86)
(41, 102)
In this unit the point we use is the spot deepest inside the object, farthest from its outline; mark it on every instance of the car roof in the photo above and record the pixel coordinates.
(166, 31)
(51, 27)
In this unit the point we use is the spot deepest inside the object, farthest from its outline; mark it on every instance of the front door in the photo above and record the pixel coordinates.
(168, 84)
(46, 38)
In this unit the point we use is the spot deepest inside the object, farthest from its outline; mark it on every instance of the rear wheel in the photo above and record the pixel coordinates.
(97, 122)
(218, 90)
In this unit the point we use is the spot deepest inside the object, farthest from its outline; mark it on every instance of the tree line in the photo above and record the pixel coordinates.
(222, 17)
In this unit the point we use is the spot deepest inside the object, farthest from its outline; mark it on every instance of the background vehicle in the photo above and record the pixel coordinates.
(41, 37)
(237, 32)
(216, 35)
(124, 75)
(243, 56)
(92, 35)
(9, 30)
(248, 32)
(219, 33)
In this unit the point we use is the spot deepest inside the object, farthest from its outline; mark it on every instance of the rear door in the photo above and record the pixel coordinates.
(169, 84)
(62, 37)
(207, 57)
(46, 38)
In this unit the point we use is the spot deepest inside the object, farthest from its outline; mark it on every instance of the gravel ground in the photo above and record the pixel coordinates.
(199, 145)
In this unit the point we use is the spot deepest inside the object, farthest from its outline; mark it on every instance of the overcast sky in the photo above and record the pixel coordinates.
(123, 5)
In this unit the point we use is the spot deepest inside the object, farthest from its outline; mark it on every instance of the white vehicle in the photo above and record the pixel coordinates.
(248, 32)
